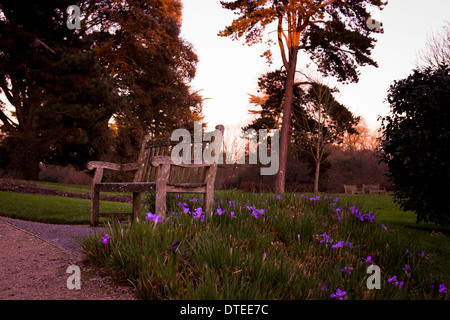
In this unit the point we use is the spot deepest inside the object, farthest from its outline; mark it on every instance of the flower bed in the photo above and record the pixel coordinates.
(264, 246)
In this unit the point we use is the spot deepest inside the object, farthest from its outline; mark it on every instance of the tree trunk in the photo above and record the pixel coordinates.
(318, 159)
(24, 157)
(316, 178)
(280, 177)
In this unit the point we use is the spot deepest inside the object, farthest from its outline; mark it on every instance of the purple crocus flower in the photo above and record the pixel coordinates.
(347, 269)
(393, 279)
(395, 282)
(442, 288)
(153, 217)
(250, 208)
(256, 212)
(340, 244)
(326, 238)
(219, 211)
(197, 213)
(339, 294)
(104, 239)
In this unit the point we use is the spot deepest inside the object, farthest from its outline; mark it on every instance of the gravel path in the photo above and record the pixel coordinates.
(36, 267)
(65, 237)
(34, 257)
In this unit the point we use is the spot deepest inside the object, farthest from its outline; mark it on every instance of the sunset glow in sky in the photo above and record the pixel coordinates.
(228, 70)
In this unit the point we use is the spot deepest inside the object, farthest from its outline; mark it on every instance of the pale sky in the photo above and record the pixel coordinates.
(228, 70)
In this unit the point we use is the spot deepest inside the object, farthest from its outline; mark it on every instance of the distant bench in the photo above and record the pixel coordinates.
(366, 189)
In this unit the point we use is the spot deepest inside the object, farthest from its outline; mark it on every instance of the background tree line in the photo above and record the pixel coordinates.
(351, 159)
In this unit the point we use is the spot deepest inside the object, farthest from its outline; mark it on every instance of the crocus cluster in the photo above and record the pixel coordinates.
(341, 211)
(362, 216)
(393, 280)
(325, 238)
(153, 217)
(315, 198)
(198, 214)
(254, 212)
(341, 244)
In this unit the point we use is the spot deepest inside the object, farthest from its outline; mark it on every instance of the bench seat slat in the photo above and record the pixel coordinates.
(115, 214)
(137, 187)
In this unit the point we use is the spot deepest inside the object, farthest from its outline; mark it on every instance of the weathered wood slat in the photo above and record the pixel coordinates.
(175, 189)
(112, 166)
(125, 187)
(115, 214)
(186, 184)
(157, 160)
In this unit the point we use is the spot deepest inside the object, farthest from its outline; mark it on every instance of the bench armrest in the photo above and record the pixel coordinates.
(112, 166)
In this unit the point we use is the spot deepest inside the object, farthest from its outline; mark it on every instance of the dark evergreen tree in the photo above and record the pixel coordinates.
(416, 143)
(59, 92)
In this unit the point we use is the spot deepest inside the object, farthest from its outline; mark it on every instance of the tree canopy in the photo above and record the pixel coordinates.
(139, 43)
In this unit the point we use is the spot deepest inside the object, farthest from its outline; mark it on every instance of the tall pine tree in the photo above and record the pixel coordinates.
(334, 32)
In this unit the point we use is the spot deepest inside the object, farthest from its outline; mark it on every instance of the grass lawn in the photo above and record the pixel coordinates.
(64, 187)
(433, 239)
(53, 209)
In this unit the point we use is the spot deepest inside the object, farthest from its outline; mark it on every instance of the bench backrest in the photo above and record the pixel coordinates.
(178, 174)
(351, 188)
(368, 187)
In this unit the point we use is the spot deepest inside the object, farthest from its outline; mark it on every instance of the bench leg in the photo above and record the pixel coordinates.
(95, 208)
(161, 205)
(208, 202)
(161, 190)
(136, 207)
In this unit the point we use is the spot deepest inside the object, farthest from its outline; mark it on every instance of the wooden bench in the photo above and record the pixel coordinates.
(352, 189)
(373, 188)
(156, 173)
